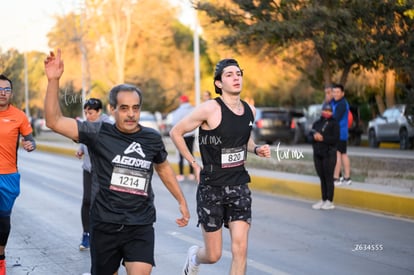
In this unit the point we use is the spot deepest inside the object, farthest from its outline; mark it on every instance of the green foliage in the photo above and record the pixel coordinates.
(12, 64)
(70, 100)
(343, 33)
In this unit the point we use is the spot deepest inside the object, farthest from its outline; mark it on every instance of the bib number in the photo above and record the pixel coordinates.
(129, 181)
(232, 157)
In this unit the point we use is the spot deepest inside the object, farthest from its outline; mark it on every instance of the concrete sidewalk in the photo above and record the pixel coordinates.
(391, 200)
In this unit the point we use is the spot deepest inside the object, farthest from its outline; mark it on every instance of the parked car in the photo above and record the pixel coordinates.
(148, 119)
(311, 114)
(166, 125)
(396, 124)
(40, 126)
(277, 124)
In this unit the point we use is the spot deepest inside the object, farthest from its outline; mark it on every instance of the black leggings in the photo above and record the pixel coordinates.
(189, 141)
(86, 200)
(325, 167)
(4, 230)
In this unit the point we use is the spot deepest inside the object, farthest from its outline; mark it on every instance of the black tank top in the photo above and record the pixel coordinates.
(224, 149)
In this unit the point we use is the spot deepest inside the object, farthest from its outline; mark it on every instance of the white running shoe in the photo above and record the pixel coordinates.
(347, 181)
(318, 205)
(189, 267)
(338, 182)
(328, 205)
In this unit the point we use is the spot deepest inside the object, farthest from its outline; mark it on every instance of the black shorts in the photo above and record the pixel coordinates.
(223, 204)
(341, 147)
(113, 243)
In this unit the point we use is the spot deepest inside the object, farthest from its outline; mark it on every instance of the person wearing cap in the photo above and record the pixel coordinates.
(223, 195)
(206, 96)
(93, 113)
(325, 137)
(184, 109)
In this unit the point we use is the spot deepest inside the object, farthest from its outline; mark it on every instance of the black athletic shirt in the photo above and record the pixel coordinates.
(224, 149)
(123, 168)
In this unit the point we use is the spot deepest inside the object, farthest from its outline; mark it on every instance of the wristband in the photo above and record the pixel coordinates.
(255, 149)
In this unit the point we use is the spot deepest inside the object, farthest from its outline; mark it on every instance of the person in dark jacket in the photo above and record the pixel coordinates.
(325, 136)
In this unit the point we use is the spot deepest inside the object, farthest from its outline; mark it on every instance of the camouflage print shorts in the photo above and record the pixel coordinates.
(223, 204)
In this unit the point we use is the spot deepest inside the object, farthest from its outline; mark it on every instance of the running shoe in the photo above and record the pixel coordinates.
(328, 205)
(318, 205)
(3, 267)
(180, 178)
(85, 242)
(347, 181)
(189, 267)
(337, 182)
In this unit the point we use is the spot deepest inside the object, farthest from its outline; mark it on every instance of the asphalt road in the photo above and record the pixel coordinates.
(287, 236)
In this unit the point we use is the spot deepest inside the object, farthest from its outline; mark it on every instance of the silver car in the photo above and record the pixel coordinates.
(148, 119)
(396, 124)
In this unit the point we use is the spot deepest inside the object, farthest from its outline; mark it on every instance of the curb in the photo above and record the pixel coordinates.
(400, 206)
(396, 205)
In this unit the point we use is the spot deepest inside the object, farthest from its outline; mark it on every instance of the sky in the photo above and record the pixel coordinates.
(25, 23)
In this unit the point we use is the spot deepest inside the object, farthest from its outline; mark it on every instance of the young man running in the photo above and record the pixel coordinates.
(223, 195)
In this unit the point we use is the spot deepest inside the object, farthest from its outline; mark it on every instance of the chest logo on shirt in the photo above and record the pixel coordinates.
(135, 147)
(250, 123)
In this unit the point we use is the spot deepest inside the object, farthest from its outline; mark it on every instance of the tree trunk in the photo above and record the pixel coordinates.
(380, 104)
(390, 88)
(345, 73)
(327, 75)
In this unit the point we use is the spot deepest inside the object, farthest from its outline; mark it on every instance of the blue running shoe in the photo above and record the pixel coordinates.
(85, 242)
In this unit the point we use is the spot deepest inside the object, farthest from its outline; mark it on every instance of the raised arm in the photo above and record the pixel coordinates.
(54, 119)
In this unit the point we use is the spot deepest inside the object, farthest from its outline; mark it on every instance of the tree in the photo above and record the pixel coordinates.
(343, 34)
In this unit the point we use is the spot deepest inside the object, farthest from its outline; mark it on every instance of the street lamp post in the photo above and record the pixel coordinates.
(26, 86)
(196, 42)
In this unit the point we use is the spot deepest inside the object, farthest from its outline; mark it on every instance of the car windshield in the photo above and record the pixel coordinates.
(274, 114)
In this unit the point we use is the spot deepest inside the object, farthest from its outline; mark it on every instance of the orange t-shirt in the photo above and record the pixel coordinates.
(13, 122)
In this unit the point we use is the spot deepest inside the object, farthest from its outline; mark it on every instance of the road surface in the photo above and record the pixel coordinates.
(287, 236)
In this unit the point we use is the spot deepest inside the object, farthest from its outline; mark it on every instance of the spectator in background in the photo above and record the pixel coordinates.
(206, 96)
(340, 114)
(325, 136)
(93, 113)
(328, 93)
(184, 109)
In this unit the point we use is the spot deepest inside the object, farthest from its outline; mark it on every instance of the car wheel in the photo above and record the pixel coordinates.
(404, 140)
(372, 139)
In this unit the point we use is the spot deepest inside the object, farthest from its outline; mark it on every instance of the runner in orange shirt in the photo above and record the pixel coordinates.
(13, 123)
